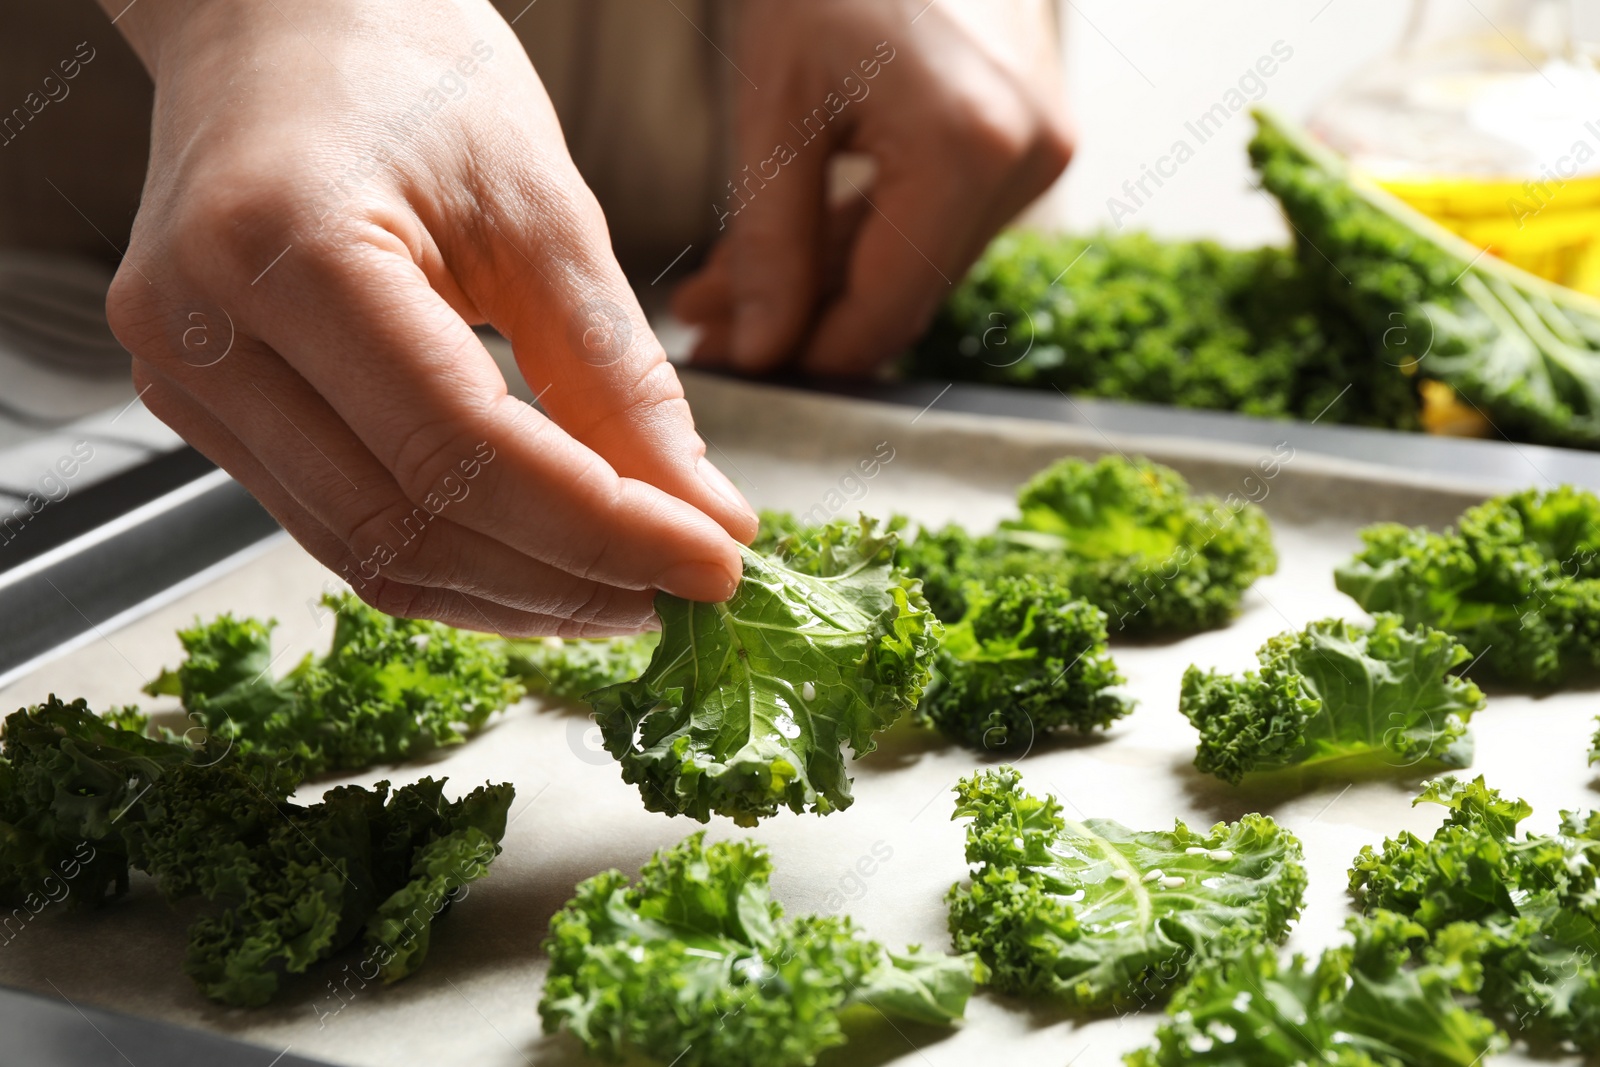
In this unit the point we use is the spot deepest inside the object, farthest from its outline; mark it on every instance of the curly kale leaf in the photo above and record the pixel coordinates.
(1376, 1003)
(1336, 692)
(68, 780)
(1527, 907)
(746, 705)
(1125, 535)
(1027, 659)
(288, 885)
(572, 668)
(695, 964)
(1517, 580)
(1103, 916)
(1522, 350)
(388, 689)
(1186, 323)
(292, 884)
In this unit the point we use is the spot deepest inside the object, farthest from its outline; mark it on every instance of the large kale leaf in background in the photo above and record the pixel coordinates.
(747, 705)
(1524, 351)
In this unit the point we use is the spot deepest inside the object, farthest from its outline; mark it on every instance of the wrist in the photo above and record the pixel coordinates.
(147, 25)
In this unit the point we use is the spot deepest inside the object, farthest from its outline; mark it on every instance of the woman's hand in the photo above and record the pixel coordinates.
(957, 104)
(338, 190)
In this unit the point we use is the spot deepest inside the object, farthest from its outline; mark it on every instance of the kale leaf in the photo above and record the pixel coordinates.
(1376, 1003)
(1336, 692)
(572, 668)
(1523, 351)
(388, 689)
(1127, 535)
(1517, 580)
(1103, 916)
(288, 884)
(1528, 907)
(1186, 323)
(746, 705)
(1025, 660)
(696, 965)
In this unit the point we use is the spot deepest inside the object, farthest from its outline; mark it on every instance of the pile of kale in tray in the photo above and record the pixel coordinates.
(1374, 314)
(1186, 323)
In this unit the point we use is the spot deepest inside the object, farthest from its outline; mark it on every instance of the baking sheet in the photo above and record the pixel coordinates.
(887, 860)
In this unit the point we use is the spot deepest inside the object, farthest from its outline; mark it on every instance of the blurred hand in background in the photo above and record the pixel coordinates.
(958, 106)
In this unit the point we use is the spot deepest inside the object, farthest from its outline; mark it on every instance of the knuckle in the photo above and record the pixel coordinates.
(579, 628)
(237, 227)
(653, 394)
(134, 313)
(993, 131)
(396, 598)
(231, 229)
(424, 463)
(398, 534)
(594, 606)
(1056, 144)
(421, 561)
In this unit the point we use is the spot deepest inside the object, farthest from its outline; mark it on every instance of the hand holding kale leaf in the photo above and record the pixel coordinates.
(695, 965)
(1520, 349)
(1526, 906)
(1125, 535)
(289, 884)
(1026, 659)
(388, 690)
(1336, 692)
(1377, 1003)
(1517, 580)
(746, 705)
(1100, 915)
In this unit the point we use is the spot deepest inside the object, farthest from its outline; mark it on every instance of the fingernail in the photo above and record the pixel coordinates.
(752, 333)
(704, 582)
(725, 491)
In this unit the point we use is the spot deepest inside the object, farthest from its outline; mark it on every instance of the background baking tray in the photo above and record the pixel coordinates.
(474, 1001)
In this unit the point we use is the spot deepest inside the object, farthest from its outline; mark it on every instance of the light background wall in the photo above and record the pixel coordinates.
(1137, 70)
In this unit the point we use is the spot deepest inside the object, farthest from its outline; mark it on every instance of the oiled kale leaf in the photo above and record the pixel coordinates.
(695, 965)
(388, 689)
(1376, 1003)
(746, 706)
(1127, 535)
(1517, 580)
(1521, 350)
(1103, 916)
(1336, 692)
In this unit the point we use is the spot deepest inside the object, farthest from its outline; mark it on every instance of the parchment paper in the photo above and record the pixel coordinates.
(887, 860)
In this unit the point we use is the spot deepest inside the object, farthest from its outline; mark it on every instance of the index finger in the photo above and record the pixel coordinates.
(408, 376)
